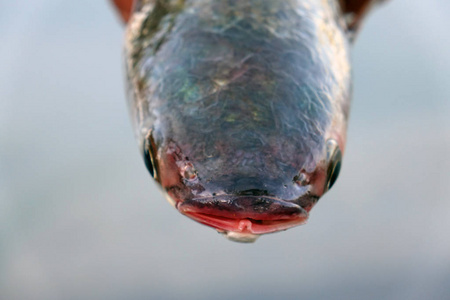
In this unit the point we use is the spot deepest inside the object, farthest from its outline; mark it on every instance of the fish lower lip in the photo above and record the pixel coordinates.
(247, 225)
(241, 214)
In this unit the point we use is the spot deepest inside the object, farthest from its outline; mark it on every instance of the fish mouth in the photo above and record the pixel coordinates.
(243, 218)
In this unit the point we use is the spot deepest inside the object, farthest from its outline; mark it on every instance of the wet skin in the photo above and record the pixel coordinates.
(240, 107)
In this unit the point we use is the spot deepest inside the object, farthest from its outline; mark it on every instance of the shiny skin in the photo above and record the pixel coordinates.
(240, 107)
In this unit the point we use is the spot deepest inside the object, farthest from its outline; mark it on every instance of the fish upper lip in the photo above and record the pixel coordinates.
(245, 214)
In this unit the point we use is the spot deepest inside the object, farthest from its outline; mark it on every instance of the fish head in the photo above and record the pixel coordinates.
(241, 190)
(241, 110)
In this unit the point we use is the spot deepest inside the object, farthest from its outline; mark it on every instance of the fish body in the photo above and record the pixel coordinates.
(240, 107)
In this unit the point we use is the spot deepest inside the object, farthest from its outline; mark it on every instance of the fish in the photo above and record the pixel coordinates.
(240, 108)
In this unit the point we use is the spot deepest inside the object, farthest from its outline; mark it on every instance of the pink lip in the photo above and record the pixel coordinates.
(227, 221)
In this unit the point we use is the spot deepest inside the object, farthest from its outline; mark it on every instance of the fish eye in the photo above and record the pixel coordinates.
(148, 156)
(334, 158)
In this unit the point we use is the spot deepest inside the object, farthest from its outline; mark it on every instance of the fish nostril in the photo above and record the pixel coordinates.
(189, 172)
(302, 179)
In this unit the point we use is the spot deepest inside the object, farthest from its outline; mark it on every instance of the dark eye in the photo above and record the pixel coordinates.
(148, 156)
(334, 157)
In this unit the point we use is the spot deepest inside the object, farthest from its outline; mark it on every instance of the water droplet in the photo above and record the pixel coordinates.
(241, 237)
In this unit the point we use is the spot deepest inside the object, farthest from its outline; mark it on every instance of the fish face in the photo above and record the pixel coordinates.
(255, 193)
(241, 109)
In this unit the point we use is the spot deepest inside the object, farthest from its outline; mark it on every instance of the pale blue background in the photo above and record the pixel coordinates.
(81, 219)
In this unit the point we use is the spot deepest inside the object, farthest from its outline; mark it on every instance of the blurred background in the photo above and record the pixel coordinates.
(80, 217)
